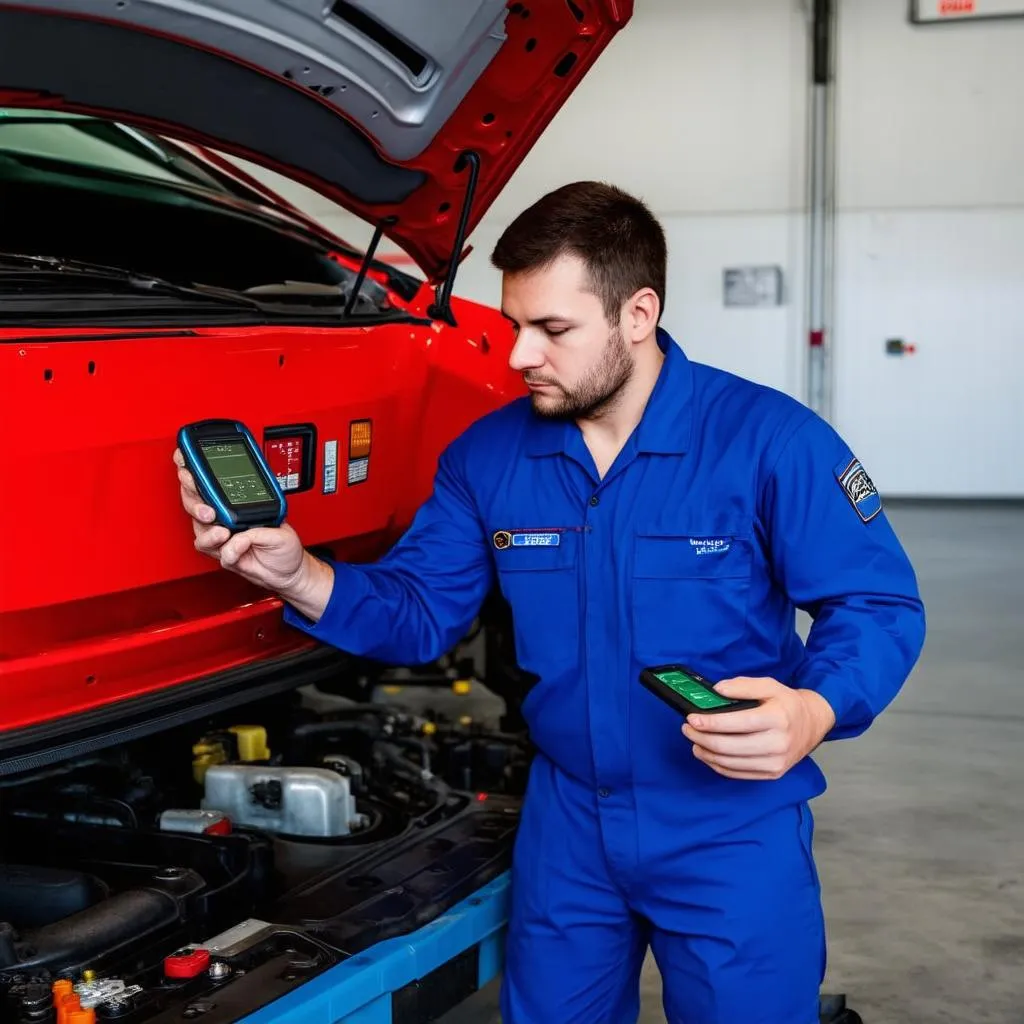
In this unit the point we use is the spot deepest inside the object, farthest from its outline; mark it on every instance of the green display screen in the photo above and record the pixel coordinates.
(688, 687)
(235, 471)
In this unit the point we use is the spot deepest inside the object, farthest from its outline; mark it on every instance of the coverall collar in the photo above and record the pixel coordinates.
(665, 427)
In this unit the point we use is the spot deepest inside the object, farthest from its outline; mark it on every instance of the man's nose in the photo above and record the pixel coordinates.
(525, 354)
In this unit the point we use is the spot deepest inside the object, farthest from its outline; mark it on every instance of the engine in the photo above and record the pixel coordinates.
(217, 864)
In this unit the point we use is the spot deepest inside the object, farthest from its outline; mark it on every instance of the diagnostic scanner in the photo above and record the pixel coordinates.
(688, 691)
(231, 474)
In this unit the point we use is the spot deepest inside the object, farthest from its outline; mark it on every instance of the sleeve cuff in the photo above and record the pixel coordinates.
(852, 718)
(347, 593)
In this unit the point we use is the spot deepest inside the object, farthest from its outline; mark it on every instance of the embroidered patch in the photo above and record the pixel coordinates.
(543, 538)
(861, 492)
(710, 545)
(536, 540)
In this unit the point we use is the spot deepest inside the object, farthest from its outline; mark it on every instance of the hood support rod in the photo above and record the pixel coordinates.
(364, 267)
(441, 308)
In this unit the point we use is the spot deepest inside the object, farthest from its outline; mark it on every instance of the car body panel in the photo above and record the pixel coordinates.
(106, 600)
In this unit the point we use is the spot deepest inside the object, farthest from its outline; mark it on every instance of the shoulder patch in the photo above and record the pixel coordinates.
(859, 490)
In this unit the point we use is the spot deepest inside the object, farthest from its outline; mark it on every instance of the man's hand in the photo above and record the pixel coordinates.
(271, 558)
(762, 742)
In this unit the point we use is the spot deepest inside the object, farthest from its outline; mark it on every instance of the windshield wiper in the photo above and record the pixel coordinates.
(51, 272)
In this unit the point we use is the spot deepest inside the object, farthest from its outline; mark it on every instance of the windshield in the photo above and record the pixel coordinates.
(93, 142)
(98, 192)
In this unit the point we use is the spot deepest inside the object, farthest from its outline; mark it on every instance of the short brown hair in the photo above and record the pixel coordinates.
(616, 235)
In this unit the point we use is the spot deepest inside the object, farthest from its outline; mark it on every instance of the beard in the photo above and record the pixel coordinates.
(595, 392)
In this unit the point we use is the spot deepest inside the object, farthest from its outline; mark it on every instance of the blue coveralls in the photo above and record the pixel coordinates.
(729, 506)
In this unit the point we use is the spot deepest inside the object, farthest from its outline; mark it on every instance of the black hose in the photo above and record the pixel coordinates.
(124, 919)
(312, 730)
(414, 744)
(404, 770)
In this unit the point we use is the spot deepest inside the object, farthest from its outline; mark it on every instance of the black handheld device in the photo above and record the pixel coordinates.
(688, 691)
(231, 474)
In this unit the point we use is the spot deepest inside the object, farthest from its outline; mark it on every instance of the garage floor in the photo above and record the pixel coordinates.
(920, 838)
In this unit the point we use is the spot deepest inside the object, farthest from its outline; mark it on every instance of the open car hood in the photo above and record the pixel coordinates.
(373, 103)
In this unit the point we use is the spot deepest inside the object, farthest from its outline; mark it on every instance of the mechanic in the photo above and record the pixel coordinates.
(638, 508)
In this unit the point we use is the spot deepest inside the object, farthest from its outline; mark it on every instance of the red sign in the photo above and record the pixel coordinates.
(285, 457)
(956, 6)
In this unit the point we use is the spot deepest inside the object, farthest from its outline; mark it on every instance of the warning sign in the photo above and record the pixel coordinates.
(927, 11)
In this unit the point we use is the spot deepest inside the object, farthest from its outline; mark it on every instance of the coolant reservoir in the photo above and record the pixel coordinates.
(291, 801)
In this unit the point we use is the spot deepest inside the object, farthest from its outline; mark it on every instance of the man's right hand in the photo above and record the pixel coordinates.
(270, 557)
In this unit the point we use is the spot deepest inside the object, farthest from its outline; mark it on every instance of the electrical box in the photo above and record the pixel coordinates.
(752, 286)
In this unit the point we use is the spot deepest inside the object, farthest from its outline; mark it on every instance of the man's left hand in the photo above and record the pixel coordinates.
(762, 742)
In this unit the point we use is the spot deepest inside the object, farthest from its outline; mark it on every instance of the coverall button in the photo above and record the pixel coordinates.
(602, 792)
(595, 500)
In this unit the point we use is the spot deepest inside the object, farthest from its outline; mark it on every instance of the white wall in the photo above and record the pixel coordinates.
(707, 125)
(930, 248)
(700, 107)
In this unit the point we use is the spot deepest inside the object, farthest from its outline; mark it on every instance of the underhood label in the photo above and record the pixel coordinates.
(330, 467)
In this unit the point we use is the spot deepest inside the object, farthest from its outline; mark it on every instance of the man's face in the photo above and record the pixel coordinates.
(574, 362)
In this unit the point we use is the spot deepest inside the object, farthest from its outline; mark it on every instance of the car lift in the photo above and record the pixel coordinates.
(417, 978)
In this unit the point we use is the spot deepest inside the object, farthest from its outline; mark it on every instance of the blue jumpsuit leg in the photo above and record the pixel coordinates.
(738, 930)
(574, 948)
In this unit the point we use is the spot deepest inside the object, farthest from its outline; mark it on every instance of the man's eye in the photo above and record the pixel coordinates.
(554, 332)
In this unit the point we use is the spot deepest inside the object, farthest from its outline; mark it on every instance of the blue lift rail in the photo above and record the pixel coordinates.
(407, 979)
(418, 977)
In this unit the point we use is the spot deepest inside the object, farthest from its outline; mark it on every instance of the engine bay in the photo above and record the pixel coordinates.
(208, 869)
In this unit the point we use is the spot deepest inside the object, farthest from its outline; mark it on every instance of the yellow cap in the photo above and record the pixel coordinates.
(252, 742)
(88, 976)
(462, 686)
(205, 754)
(465, 720)
(429, 728)
(392, 689)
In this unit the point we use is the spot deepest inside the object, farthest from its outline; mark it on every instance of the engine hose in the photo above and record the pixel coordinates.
(414, 744)
(377, 710)
(312, 730)
(121, 921)
(43, 774)
(401, 767)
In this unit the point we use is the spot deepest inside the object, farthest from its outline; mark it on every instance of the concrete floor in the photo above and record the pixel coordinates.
(920, 838)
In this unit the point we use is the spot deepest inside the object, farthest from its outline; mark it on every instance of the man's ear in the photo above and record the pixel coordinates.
(641, 315)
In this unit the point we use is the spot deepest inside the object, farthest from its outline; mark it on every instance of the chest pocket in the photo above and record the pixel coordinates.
(690, 594)
(539, 581)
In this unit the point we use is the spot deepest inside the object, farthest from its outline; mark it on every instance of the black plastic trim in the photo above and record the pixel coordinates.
(125, 320)
(39, 746)
(119, 336)
(430, 997)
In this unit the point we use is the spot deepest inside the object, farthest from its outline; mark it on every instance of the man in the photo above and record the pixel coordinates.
(676, 513)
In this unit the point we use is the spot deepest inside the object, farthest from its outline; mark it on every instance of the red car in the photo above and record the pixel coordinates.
(175, 763)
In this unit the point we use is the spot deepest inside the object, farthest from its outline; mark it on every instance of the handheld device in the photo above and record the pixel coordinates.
(688, 691)
(231, 474)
